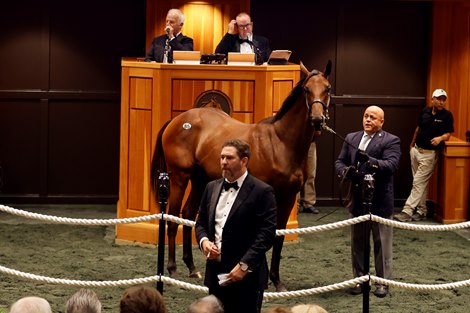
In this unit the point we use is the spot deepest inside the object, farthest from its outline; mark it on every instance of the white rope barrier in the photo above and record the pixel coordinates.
(267, 295)
(117, 283)
(185, 222)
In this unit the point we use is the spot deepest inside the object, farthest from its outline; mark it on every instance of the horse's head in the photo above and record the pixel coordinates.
(317, 95)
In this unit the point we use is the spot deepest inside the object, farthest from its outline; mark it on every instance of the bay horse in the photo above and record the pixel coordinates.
(188, 148)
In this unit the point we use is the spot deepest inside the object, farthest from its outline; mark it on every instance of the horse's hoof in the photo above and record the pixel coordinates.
(195, 275)
(281, 288)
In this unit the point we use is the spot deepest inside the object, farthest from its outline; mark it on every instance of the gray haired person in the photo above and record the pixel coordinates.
(83, 301)
(207, 304)
(31, 305)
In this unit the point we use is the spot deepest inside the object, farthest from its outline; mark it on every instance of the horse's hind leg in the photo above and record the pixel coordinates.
(284, 207)
(187, 237)
(275, 264)
(175, 200)
(190, 212)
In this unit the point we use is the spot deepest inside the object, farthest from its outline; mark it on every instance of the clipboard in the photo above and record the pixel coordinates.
(279, 57)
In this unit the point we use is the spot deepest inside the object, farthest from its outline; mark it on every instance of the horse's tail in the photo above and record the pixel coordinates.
(158, 160)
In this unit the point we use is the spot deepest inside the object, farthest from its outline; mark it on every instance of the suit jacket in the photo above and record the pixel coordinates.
(157, 48)
(384, 155)
(230, 43)
(248, 233)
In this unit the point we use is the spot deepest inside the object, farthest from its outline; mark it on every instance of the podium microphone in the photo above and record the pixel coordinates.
(167, 29)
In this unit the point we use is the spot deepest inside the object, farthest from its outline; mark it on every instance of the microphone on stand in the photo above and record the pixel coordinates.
(167, 29)
(257, 51)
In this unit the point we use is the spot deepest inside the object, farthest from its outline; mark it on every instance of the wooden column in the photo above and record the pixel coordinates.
(454, 182)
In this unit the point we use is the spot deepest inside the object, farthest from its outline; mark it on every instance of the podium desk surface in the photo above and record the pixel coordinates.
(139, 62)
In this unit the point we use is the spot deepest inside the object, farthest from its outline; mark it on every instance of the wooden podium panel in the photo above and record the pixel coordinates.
(454, 182)
(153, 93)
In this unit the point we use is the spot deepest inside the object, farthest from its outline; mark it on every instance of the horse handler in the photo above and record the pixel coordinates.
(378, 153)
(235, 228)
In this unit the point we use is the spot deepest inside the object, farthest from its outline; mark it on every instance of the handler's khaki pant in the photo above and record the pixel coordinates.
(422, 165)
(308, 195)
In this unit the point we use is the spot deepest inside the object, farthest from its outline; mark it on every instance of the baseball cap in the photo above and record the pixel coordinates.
(439, 92)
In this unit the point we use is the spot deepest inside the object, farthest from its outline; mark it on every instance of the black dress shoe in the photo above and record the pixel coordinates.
(381, 291)
(356, 290)
(311, 209)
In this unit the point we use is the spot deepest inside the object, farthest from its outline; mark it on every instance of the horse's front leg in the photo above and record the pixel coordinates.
(275, 264)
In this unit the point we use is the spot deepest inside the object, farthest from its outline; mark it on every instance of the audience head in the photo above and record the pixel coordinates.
(278, 309)
(208, 304)
(308, 308)
(142, 299)
(83, 301)
(31, 305)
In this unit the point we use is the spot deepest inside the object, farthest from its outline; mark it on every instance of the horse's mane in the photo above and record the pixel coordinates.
(290, 99)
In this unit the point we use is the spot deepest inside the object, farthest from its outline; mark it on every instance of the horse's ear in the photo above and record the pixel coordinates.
(327, 71)
(303, 69)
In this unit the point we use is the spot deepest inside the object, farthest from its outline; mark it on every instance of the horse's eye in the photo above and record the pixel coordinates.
(306, 89)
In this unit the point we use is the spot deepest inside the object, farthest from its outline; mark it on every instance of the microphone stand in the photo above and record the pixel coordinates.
(368, 186)
(163, 191)
(257, 51)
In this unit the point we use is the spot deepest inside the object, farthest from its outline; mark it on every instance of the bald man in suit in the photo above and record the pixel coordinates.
(378, 153)
(235, 228)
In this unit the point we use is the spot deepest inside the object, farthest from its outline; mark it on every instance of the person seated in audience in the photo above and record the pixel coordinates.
(83, 301)
(173, 39)
(278, 309)
(207, 304)
(142, 299)
(308, 308)
(31, 305)
(240, 38)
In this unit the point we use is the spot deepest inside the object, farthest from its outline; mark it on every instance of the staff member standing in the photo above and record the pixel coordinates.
(435, 125)
(235, 228)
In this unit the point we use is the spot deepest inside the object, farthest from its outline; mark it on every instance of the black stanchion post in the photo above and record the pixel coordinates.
(163, 191)
(368, 183)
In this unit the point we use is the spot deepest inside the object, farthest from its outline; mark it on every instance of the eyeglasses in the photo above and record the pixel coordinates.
(245, 26)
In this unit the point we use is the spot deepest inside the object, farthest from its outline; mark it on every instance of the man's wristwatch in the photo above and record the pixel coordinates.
(244, 267)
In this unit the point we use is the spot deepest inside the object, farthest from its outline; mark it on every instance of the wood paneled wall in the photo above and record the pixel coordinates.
(449, 67)
(450, 60)
(206, 21)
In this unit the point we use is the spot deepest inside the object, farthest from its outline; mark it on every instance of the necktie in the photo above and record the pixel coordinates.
(228, 185)
(240, 40)
(362, 145)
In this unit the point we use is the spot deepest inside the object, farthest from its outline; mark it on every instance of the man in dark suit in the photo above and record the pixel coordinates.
(240, 38)
(235, 228)
(172, 40)
(378, 154)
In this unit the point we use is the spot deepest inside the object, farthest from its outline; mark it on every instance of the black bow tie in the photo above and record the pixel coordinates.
(240, 40)
(228, 185)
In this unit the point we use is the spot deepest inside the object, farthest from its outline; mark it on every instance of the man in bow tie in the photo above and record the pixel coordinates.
(240, 38)
(236, 226)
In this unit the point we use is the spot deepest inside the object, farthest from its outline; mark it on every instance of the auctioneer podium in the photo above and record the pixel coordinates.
(153, 93)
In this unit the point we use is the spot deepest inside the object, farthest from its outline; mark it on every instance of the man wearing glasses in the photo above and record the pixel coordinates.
(240, 38)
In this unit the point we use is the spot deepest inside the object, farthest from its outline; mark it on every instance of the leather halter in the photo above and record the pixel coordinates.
(325, 117)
